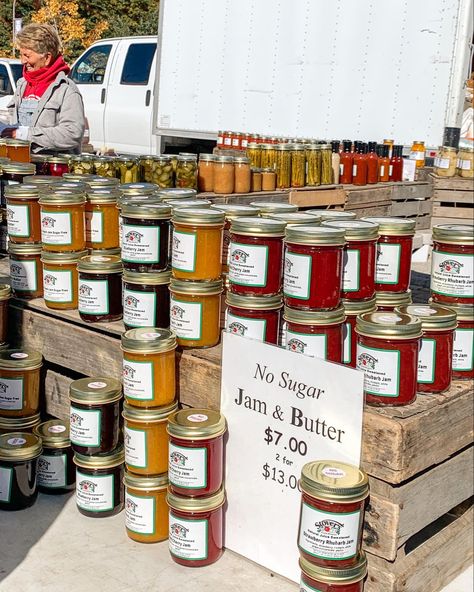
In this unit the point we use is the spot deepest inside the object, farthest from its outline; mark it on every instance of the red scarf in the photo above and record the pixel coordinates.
(39, 80)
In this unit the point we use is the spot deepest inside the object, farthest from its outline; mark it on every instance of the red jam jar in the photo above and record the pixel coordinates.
(333, 497)
(394, 247)
(196, 528)
(360, 253)
(387, 352)
(255, 317)
(389, 301)
(58, 165)
(463, 347)
(196, 452)
(317, 333)
(324, 579)
(255, 256)
(352, 309)
(452, 264)
(313, 267)
(436, 353)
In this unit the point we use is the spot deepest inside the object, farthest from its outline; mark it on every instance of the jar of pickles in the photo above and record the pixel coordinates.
(206, 172)
(283, 165)
(60, 279)
(313, 164)
(186, 171)
(254, 153)
(267, 156)
(298, 165)
(100, 288)
(127, 169)
(446, 162)
(146, 299)
(81, 164)
(326, 164)
(26, 272)
(465, 163)
(58, 165)
(101, 219)
(104, 166)
(62, 220)
(20, 371)
(18, 150)
(23, 213)
(158, 171)
(224, 174)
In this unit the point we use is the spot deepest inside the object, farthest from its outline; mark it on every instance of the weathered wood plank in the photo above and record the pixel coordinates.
(451, 183)
(318, 197)
(411, 191)
(460, 197)
(411, 207)
(363, 210)
(458, 213)
(379, 194)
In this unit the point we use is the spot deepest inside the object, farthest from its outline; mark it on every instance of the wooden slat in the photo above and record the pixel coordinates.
(441, 211)
(368, 210)
(411, 207)
(412, 191)
(452, 183)
(318, 197)
(461, 197)
(379, 194)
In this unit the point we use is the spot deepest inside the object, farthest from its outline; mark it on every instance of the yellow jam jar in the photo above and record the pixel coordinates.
(102, 219)
(19, 382)
(60, 279)
(62, 220)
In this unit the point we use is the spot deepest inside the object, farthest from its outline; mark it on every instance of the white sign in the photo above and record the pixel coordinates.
(283, 410)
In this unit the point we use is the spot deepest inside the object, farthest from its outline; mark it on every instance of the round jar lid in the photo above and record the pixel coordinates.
(102, 182)
(62, 197)
(36, 158)
(149, 340)
(315, 235)
(327, 215)
(106, 252)
(147, 278)
(258, 226)
(62, 258)
(148, 211)
(199, 288)
(464, 312)
(241, 160)
(18, 424)
(253, 146)
(454, 233)
(142, 415)
(138, 188)
(137, 200)
(188, 203)
(283, 147)
(355, 229)
(297, 147)
(22, 191)
(389, 299)
(25, 248)
(293, 217)
(348, 575)
(274, 207)
(448, 149)
(5, 291)
(100, 264)
(331, 480)
(17, 446)
(95, 390)
(186, 157)
(44, 180)
(24, 359)
(102, 195)
(357, 307)
(54, 433)
(221, 158)
(76, 186)
(254, 302)
(58, 159)
(432, 316)
(313, 146)
(197, 216)
(146, 483)
(236, 210)
(196, 424)
(106, 460)
(177, 193)
(314, 317)
(195, 504)
(18, 168)
(388, 324)
(394, 226)
(86, 177)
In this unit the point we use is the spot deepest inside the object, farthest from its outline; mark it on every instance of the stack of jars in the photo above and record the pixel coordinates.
(224, 174)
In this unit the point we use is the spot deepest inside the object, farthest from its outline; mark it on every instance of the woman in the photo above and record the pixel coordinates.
(48, 105)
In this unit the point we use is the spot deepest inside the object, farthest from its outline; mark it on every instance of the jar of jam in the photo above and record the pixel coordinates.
(61, 279)
(333, 498)
(95, 414)
(295, 218)
(387, 353)
(146, 299)
(206, 172)
(271, 207)
(3, 150)
(255, 256)
(436, 352)
(313, 267)
(389, 301)
(41, 163)
(102, 227)
(394, 247)
(18, 150)
(417, 153)
(145, 438)
(127, 169)
(146, 510)
(186, 171)
(57, 165)
(149, 367)
(99, 483)
(26, 272)
(197, 244)
(352, 309)
(19, 424)
(100, 288)
(195, 312)
(4, 241)
(20, 374)
(358, 280)
(325, 579)
(452, 264)
(62, 220)
(14, 173)
(19, 454)
(315, 333)
(23, 213)
(255, 317)
(56, 471)
(463, 347)
(196, 528)
(242, 174)
(5, 294)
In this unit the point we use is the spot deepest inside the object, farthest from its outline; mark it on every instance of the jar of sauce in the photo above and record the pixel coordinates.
(23, 213)
(19, 454)
(5, 295)
(145, 438)
(224, 174)
(389, 301)
(100, 288)
(325, 579)
(352, 309)
(149, 367)
(18, 150)
(271, 207)
(242, 174)
(199, 520)
(62, 220)
(206, 172)
(387, 352)
(19, 424)
(146, 299)
(268, 179)
(417, 153)
(99, 483)
(58, 165)
(61, 279)
(256, 180)
(346, 163)
(255, 317)
(56, 471)
(333, 498)
(20, 373)
(463, 347)
(95, 414)
(26, 272)
(102, 227)
(14, 173)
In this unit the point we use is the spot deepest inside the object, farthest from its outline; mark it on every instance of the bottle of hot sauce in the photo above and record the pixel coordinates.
(384, 164)
(346, 163)
(372, 164)
(359, 167)
(396, 164)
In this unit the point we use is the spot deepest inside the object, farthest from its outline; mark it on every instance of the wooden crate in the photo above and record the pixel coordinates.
(453, 200)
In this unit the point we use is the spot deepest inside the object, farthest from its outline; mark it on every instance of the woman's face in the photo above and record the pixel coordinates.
(33, 60)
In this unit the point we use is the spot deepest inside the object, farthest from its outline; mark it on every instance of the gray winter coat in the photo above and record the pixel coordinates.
(58, 122)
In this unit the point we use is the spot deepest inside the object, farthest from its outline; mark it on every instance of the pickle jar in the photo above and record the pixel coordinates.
(352, 309)
(313, 164)
(224, 174)
(465, 163)
(101, 218)
(149, 366)
(81, 164)
(267, 156)
(186, 171)
(255, 317)
(62, 220)
(95, 415)
(298, 165)
(159, 171)
(254, 153)
(463, 347)
(5, 295)
(20, 377)
(23, 213)
(100, 288)
(19, 424)
(146, 439)
(242, 174)
(195, 312)
(57, 165)
(326, 164)
(14, 173)
(56, 471)
(18, 150)
(325, 579)
(127, 169)
(146, 299)
(104, 166)
(26, 272)
(389, 301)
(206, 172)
(273, 207)
(283, 165)
(446, 161)
(60, 279)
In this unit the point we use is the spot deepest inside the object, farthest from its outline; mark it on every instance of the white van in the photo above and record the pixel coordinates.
(10, 72)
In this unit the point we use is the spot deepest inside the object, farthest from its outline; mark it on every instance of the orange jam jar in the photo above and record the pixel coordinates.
(146, 439)
(19, 382)
(60, 279)
(18, 150)
(62, 220)
(149, 367)
(101, 217)
(389, 301)
(146, 510)
(23, 213)
(5, 294)
(197, 243)
(195, 309)
(26, 272)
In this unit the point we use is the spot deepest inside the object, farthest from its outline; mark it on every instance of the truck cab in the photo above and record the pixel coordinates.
(10, 72)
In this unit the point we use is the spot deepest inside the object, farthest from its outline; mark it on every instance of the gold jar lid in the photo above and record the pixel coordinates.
(433, 317)
(197, 216)
(312, 146)
(95, 390)
(107, 460)
(258, 226)
(76, 186)
(138, 188)
(22, 191)
(147, 278)
(186, 156)
(254, 302)
(137, 200)
(152, 414)
(394, 299)
(17, 143)
(357, 307)
(464, 312)
(41, 180)
(283, 147)
(342, 576)
(456, 234)
(314, 317)
(391, 325)
(147, 211)
(268, 170)
(54, 433)
(100, 264)
(236, 210)
(62, 258)
(221, 158)
(188, 203)
(315, 235)
(116, 252)
(20, 359)
(25, 248)
(196, 424)
(195, 504)
(177, 193)
(327, 215)
(148, 340)
(198, 288)
(274, 207)
(5, 291)
(18, 168)
(58, 159)
(448, 149)
(103, 182)
(18, 446)
(393, 226)
(85, 177)
(253, 146)
(467, 149)
(334, 481)
(297, 147)
(357, 230)
(241, 160)
(18, 424)
(62, 197)
(102, 196)
(293, 217)
(146, 483)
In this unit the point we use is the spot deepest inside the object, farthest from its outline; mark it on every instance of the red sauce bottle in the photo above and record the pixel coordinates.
(359, 167)
(396, 164)
(372, 164)
(324, 579)
(346, 162)
(384, 164)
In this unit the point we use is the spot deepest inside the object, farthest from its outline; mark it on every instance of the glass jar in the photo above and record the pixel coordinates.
(60, 279)
(138, 189)
(56, 471)
(100, 288)
(3, 150)
(45, 182)
(452, 264)
(394, 248)
(417, 153)
(197, 244)
(327, 215)
(255, 180)
(283, 165)
(389, 301)
(273, 207)
(465, 163)
(3, 231)
(5, 295)
(313, 267)
(186, 171)
(325, 579)
(19, 454)
(146, 299)
(19, 424)
(295, 218)
(14, 173)
(101, 219)
(81, 164)
(145, 438)
(446, 161)
(254, 153)
(103, 183)
(206, 172)
(57, 165)
(127, 169)
(20, 375)
(62, 220)
(326, 164)
(298, 165)
(255, 317)
(333, 499)
(315, 333)
(352, 309)
(188, 203)
(463, 347)
(387, 353)
(224, 174)
(41, 163)
(104, 166)
(26, 271)
(23, 213)
(195, 312)
(268, 180)
(99, 483)
(242, 175)
(146, 511)
(162, 173)
(313, 164)
(267, 156)
(18, 150)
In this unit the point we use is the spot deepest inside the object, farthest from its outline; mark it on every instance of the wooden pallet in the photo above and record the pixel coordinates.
(453, 200)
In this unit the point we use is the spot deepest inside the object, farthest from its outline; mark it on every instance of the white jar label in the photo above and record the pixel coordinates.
(297, 276)
(309, 345)
(186, 319)
(465, 165)
(381, 369)
(140, 514)
(93, 297)
(94, 227)
(183, 254)
(11, 393)
(187, 467)
(140, 244)
(351, 273)
(57, 285)
(85, 426)
(390, 170)
(328, 536)
(347, 343)
(5, 484)
(138, 380)
(452, 274)
(188, 538)
(426, 361)
(248, 264)
(135, 447)
(95, 493)
(417, 155)
(52, 470)
(57, 429)
(139, 308)
(334, 472)
(387, 270)
(18, 220)
(442, 163)
(251, 328)
(23, 275)
(463, 350)
(56, 228)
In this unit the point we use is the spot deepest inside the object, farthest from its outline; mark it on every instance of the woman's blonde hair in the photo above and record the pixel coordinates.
(40, 38)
